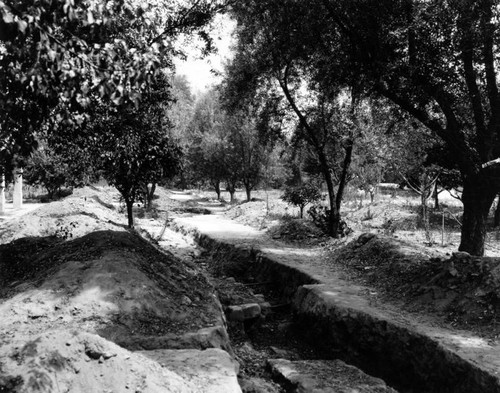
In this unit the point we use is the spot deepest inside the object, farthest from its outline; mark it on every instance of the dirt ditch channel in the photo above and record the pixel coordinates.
(321, 334)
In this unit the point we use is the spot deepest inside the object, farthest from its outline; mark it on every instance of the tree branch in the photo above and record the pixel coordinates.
(419, 114)
(467, 55)
(414, 188)
(284, 86)
(345, 168)
(494, 162)
(491, 79)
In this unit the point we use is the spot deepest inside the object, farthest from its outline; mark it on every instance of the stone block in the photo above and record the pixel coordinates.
(250, 311)
(235, 313)
(259, 298)
(210, 371)
(243, 312)
(265, 308)
(325, 376)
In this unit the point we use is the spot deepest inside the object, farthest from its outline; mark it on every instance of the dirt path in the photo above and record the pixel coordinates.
(10, 213)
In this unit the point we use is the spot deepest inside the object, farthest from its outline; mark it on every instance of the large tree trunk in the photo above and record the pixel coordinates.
(231, 189)
(334, 217)
(130, 214)
(217, 189)
(477, 197)
(496, 221)
(150, 193)
(436, 197)
(248, 190)
(343, 175)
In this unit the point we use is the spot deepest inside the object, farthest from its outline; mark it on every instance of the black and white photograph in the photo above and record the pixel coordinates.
(249, 196)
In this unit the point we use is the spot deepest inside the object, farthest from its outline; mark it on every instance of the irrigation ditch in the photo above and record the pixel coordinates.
(325, 336)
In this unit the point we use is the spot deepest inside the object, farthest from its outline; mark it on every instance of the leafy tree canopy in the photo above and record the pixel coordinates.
(436, 60)
(63, 52)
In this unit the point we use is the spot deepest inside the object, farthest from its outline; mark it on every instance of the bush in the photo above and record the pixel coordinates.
(302, 195)
(320, 215)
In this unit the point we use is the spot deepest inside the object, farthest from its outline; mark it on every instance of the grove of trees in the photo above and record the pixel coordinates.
(75, 75)
(336, 91)
(434, 60)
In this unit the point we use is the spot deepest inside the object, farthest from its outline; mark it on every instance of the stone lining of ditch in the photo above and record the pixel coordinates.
(325, 376)
(405, 353)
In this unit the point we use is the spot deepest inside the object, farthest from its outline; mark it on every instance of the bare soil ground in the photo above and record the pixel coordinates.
(74, 282)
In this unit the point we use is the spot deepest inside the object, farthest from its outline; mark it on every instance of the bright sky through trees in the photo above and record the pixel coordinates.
(199, 70)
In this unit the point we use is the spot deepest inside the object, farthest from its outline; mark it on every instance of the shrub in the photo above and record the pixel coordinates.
(320, 215)
(302, 195)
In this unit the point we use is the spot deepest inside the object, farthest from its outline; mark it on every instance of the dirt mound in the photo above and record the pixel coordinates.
(75, 284)
(293, 230)
(468, 289)
(463, 289)
(249, 213)
(397, 269)
(114, 284)
(87, 210)
(63, 361)
(382, 216)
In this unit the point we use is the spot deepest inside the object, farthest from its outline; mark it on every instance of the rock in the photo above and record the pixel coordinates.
(61, 367)
(210, 371)
(461, 255)
(95, 351)
(260, 298)
(210, 337)
(250, 311)
(186, 301)
(325, 376)
(265, 308)
(365, 238)
(235, 313)
(283, 353)
(243, 312)
(247, 349)
(257, 385)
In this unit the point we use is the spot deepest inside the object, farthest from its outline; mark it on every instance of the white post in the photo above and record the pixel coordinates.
(2, 194)
(18, 188)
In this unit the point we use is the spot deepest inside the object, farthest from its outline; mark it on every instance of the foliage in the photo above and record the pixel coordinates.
(179, 113)
(320, 215)
(435, 60)
(206, 151)
(65, 232)
(136, 159)
(225, 146)
(274, 172)
(272, 71)
(249, 152)
(53, 170)
(302, 195)
(132, 146)
(63, 53)
(48, 170)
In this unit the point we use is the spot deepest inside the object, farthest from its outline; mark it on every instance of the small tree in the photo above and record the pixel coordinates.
(48, 170)
(138, 159)
(205, 154)
(301, 196)
(207, 161)
(249, 152)
(55, 165)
